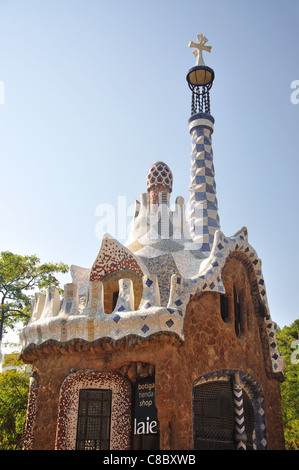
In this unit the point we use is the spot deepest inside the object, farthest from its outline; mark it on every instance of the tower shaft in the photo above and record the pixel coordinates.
(203, 216)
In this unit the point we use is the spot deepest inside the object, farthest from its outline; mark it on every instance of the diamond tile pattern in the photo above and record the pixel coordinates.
(204, 219)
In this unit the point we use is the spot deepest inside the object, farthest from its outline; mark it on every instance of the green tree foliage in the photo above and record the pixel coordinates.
(12, 359)
(20, 275)
(288, 345)
(14, 387)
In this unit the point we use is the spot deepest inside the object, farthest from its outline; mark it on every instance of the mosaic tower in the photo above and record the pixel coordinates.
(159, 187)
(203, 217)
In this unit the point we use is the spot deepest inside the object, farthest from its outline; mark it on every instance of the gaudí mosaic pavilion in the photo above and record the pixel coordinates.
(165, 342)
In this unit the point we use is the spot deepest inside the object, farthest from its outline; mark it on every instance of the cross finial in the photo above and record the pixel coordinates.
(199, 47)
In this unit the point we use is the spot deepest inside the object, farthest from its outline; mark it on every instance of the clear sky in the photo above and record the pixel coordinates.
(94, 92)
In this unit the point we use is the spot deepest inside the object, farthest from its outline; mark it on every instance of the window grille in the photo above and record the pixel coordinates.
(94, 415)
(164, 197)
(213, 416)
(213, 409)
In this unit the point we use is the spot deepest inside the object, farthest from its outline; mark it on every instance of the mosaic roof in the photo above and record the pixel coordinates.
(159, 174)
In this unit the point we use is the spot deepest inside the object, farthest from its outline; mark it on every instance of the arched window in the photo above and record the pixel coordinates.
(94, 416)
(214, 420)
(228, 412)
(111, 289)
(237, 311)
(237, 305)
(224, 309)
(94, 411)
(110, 299)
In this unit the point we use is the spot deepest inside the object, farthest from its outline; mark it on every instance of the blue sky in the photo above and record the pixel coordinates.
(95, 92)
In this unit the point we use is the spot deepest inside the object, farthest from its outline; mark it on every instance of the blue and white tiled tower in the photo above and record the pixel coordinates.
(203, 206)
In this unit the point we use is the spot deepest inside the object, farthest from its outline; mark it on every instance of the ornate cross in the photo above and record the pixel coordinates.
(199, 47)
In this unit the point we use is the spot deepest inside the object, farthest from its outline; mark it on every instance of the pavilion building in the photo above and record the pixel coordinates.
(166, 342)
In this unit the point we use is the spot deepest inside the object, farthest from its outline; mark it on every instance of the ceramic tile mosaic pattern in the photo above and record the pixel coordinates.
(239, 417)
(159, 179)
(31, 413)
(151, 317)
(113, 257)
(204, 219)
(159, 174)
(120, 433)
(163, 267)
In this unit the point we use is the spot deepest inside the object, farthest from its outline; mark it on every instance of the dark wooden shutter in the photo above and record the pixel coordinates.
(237, 313)
(224, 307)
(94, 416)
(213, 410)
